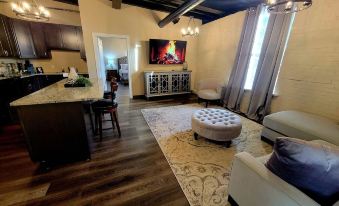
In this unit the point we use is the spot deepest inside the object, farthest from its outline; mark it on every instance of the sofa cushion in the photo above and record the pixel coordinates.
(303, 126)
(311, 167)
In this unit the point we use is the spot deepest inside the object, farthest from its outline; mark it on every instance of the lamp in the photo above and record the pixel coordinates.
(287, 6)
(30, 11)
(190, 31)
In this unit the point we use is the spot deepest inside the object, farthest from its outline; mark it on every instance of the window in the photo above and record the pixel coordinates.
(257, 45)
(256, 50)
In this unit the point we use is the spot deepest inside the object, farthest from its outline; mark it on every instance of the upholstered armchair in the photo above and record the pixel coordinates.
(209, 90)
(252, 184)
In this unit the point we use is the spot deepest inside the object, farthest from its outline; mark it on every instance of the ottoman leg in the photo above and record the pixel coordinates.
(195, 136)
(228, 144)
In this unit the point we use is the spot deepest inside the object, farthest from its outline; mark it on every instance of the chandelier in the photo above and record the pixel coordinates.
(190, 31)
(30, 11)
(287, 6)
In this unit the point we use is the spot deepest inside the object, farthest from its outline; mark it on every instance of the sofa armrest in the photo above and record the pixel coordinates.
(253, 184)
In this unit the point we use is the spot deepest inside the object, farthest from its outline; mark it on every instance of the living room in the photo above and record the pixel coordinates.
(241, 109)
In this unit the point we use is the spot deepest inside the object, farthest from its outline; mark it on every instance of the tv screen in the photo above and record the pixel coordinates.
(167, 51)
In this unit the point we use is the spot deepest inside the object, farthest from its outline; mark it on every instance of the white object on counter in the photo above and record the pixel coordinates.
(72, 74)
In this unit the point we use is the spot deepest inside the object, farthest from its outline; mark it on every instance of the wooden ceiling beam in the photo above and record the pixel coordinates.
(116, 4)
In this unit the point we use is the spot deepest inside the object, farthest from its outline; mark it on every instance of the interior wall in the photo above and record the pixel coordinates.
(114, 48)
(217, 47)
(60, 59)
(98, 16)
(309, 76)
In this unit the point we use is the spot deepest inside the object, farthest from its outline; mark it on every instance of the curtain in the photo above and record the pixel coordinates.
(235, 87)
(270, 60)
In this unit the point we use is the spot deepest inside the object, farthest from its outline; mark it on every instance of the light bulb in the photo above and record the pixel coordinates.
(188, 28)
(14, 6)
(289, 5)
(46, 13)
(191, 32)
(183, 31)
(41, 8)
(26, 6)
(196, 30)
(270, 2)
(20, 10)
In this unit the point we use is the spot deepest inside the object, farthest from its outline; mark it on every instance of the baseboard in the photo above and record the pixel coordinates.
(232, 201)
(139, 97)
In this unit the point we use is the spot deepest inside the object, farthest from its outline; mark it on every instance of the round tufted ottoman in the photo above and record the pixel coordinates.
(216, 124)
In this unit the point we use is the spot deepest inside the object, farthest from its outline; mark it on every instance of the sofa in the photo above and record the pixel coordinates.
(300, 125)
(252, 184)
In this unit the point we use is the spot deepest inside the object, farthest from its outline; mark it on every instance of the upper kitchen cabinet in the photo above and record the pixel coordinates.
(7, 47)
(23, 39)
(53, 36)
(38, 37)
(70, 40)
(81, 43)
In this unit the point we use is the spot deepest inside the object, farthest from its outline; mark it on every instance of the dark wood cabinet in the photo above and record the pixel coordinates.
(53, 36)
(81, 43)
(38, 37)
(7, 47)
(23, 39)
(34, 40)
(70, 40)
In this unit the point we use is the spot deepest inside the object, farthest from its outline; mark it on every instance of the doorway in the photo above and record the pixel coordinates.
(112, 60)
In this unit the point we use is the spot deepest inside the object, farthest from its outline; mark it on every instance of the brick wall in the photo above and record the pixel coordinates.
(309, 76)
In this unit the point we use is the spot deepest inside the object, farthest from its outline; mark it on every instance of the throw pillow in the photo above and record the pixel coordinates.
(311, 167)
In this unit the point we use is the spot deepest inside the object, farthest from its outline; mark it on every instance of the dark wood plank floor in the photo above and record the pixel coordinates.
(127, 171)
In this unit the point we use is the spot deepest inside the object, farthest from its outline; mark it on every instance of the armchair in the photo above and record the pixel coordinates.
(209, 90)
(251, 183)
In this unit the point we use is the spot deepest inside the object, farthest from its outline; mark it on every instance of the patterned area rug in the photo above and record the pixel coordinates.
(202, 167)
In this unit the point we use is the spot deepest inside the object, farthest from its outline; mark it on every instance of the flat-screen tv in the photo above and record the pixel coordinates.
(167, 51)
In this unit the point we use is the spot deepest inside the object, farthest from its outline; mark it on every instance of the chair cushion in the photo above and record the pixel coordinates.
(209, 94)
(303, 126)
(311, 167)
(104, 103)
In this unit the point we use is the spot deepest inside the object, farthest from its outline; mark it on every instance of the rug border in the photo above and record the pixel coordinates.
(142, 111)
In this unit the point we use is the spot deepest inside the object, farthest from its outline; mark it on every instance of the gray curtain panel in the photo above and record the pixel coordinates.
(235, 87)
(270, 60)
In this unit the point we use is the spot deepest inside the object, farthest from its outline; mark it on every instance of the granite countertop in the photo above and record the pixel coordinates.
(57, 93)
(31, 75)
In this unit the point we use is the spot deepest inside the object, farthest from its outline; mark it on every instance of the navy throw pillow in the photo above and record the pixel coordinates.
(311, 167)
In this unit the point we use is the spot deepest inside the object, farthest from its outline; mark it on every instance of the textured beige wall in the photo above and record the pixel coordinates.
(60, 59)
(309, 76)
(98, 16)
(217, 47)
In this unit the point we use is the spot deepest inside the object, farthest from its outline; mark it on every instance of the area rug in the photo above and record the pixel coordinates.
(202, 167)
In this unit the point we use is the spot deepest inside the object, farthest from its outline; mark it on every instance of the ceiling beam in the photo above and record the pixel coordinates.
(181, 10)
(116, 4)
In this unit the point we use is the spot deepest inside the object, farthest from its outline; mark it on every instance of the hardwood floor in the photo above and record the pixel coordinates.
(130, 170)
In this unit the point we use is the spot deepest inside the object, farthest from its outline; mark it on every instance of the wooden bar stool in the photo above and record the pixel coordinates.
(107, 106)
(102, 107)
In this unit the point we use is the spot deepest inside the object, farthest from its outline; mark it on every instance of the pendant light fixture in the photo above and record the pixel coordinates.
(30, 11)
(191, 30)
(287, 6)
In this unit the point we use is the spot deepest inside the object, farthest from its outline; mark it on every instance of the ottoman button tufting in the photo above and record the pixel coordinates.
(216, 124)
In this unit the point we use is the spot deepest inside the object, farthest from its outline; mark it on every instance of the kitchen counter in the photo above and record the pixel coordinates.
(33, 75)
(57, 93)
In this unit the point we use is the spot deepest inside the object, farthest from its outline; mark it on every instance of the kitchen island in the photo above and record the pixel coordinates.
(53, 121)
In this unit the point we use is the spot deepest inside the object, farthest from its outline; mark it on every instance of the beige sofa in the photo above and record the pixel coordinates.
(252, 184)
(300, 125)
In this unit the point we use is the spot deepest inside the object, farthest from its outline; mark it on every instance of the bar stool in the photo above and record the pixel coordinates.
(107, 106)
(102, 107)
